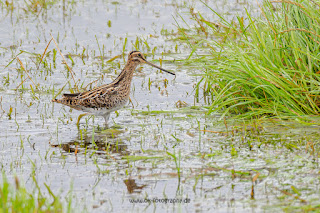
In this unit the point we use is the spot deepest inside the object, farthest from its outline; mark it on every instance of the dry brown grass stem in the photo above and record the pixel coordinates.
(290, 194)
(65, 62)
(24, 69)
(298, 29)
(44, 53)
(22, 82)
(289, 2)
(266, 18)
(111, 156)
(294, 3)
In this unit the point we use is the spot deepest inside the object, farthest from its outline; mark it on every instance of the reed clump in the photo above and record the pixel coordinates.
(267, 65)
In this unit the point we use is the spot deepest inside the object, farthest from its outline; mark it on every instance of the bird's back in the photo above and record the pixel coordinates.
(106, 97)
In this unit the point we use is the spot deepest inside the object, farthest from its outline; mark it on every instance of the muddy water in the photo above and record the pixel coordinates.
(156, 152)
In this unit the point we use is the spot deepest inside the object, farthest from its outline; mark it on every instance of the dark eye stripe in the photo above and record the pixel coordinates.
(134, 51)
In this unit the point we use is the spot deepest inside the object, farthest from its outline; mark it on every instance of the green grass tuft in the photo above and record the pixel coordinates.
(269, 65)
(18, 199)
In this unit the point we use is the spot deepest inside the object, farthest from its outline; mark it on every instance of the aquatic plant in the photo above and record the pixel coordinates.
(18, 199)
(266, 65)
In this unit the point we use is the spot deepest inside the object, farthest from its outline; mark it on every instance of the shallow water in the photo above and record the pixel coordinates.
(155, 150)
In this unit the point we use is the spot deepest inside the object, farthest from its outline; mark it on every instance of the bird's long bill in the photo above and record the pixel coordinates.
(151, 64)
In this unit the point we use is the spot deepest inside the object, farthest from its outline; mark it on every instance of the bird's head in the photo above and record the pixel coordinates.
(138, 57)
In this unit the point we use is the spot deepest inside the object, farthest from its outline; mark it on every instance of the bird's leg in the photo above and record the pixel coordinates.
(106, 118)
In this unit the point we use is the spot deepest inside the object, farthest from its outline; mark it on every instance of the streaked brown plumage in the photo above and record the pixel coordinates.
(107, 98)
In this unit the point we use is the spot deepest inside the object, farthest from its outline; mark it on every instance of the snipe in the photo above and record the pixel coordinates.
(103, 100)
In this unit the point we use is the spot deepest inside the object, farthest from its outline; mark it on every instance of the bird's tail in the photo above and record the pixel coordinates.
(68, 100)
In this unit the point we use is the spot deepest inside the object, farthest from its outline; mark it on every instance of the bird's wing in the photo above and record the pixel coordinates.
(98, 97)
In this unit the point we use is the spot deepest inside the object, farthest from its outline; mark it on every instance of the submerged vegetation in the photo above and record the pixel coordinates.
(265, 66)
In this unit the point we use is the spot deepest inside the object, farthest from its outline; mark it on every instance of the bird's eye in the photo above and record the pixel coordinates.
(139, 55)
